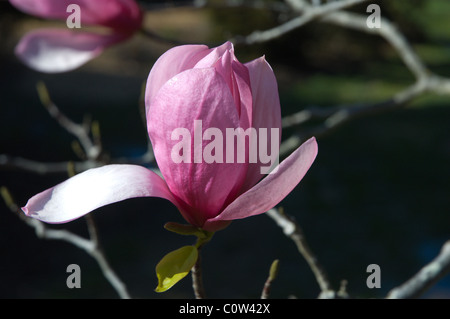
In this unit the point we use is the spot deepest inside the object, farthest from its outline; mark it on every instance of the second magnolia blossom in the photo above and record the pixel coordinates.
(187, 85)
(53, 50)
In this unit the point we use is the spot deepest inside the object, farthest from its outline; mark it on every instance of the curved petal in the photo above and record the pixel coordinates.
(192, 104)
(272, 189)
(266, 112)
(236, 75)
(172, 62)
(54, 50)
(122, 15)
(94, 188)
(179, 59)
(214, 55)
(266, 101)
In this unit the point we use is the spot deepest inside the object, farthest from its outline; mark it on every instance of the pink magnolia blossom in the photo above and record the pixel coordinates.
(59, 50)
(191, 83)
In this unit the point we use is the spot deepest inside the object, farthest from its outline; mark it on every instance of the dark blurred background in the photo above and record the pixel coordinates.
(378, 192)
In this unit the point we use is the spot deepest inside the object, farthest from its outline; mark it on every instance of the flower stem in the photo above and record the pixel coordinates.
(197, 278)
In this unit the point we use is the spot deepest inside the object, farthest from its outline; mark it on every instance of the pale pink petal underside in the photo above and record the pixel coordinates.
(95, 188)
(54, 50)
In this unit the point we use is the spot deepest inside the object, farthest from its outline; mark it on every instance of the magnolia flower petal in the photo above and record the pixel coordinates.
(272, 189)
(266, 101)
(266, 113)
(95, 188)
(174, 61)
(122, 15)
(203, 179)
(47, 9)
(236, 75)
(214, 55)
(179, 59)
(54, 50)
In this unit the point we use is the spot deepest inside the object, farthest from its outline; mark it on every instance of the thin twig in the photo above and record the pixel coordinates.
(308, 14)
(273, 273)
(88, 149)
(425, 278)
(92, 148)
(156, 37)
(292, 230)
(338, 116)
(389, 32)
(90, 246)
(426, 81)
(43, 168)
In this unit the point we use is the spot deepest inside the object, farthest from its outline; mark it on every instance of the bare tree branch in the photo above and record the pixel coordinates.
(91, 147)
(389, 32)
(425, 278)
(308, 13)
(426, 81)
(90, 246)
(43, 168)
(292, 230)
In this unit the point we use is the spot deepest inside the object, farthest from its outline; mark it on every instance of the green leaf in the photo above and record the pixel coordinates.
(175, 266)
(183, 229)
